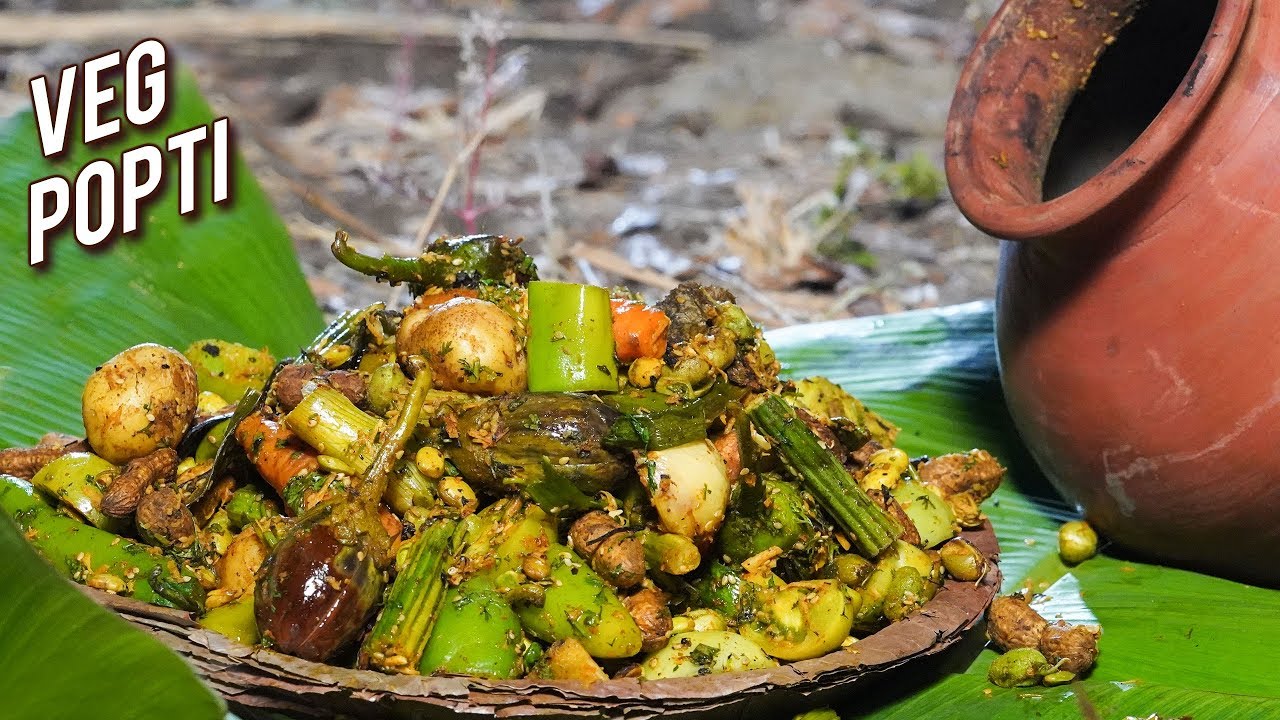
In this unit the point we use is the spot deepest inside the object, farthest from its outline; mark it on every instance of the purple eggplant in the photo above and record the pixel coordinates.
(318, 588)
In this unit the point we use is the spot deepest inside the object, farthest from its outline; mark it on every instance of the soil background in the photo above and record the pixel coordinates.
(789, 150)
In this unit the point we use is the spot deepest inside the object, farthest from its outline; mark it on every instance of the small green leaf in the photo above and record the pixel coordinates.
(556, 492)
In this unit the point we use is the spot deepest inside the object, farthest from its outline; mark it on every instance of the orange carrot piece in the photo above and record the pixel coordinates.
(389, 521)
(280, 456)
(276, 452)
(639, 331)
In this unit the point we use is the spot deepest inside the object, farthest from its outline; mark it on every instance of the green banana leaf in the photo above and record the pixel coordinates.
(225, 272)
(61, 655)
(1174, 643)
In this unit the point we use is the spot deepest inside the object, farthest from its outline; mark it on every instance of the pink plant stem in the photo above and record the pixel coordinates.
(404, 85)
(470, 213)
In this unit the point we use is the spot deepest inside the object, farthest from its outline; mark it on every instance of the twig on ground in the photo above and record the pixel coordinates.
(769, 304)
(528, 104)
(321, 202)
(446, 184)
(847, 298)
(762, 233)
(588, 272)
(555, 241)
(403, 77)
(610, 262)
(249, 122)
(468, 213)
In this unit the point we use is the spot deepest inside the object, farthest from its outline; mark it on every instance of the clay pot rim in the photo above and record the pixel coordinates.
(999, 211)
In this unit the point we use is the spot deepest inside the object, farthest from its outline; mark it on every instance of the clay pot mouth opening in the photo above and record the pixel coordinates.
(1065, 106)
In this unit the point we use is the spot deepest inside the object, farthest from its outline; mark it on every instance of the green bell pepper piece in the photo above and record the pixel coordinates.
(570, 338)
(476, 633)
(580, 605)
(229, 368)
(235, 620)
(72, 480)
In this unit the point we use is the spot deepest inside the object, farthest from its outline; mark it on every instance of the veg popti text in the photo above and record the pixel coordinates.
(104, 198)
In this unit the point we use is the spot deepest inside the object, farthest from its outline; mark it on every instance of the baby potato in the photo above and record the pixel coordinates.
(138, 401)
(804, 619)
(689, 487)
(472, 346)
(236, 569)
(699, 653)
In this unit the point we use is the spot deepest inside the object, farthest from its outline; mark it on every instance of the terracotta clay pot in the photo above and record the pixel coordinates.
(1138, 311)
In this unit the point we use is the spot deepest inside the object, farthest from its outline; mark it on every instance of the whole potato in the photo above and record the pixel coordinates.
(472, 346)
(138, 401)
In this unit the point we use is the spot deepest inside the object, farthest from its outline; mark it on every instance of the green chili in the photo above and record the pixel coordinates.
(448, 262)
(382, 466)
(651, 421)
(96, 557)
(341, 342)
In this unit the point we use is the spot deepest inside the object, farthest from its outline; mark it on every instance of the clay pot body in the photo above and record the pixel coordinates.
(1138, 314)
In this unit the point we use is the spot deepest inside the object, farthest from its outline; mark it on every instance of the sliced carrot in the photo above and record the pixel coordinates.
(280, 456)
(639, 331)
(389, 521)
(276, 452)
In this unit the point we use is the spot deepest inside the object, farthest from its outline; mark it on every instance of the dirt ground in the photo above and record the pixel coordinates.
(789, 150)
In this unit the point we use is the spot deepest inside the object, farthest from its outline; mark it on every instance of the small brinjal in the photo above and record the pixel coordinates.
(318, 587)
(510, 441)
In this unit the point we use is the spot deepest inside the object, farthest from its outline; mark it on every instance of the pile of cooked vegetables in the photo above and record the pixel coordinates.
(507, 478)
